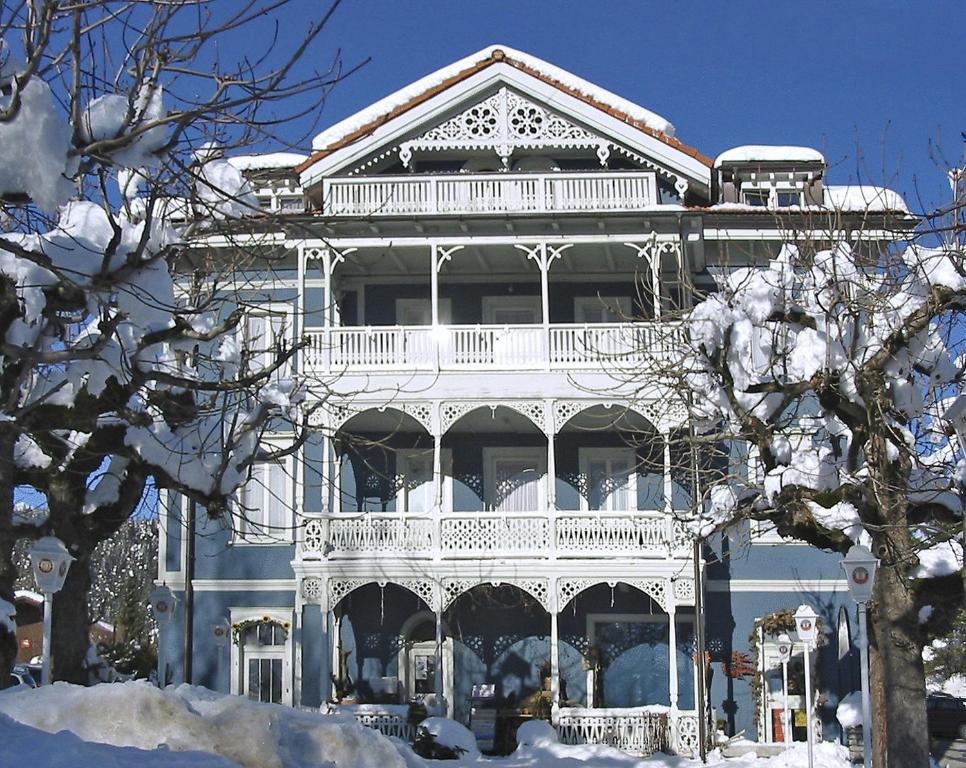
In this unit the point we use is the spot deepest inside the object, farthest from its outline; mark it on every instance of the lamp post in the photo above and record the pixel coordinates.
(860, 567)
(805, 619)
(163, 603)
(785, 655)
(50, 562)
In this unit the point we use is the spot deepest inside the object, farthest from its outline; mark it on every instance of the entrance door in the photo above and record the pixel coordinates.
(418, 666)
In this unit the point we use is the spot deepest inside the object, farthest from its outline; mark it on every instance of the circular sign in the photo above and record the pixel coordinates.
(161, 607)
(860, 575)
(46, 565)
(806, 626)
(219, 631)
(782, 649)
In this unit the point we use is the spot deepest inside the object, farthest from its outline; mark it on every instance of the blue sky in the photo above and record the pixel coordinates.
(876, 86)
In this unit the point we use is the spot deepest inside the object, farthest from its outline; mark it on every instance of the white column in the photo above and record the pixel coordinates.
(554, 658)
(438, 680)
(549, 428)
(544, 265)
(328, 300)
(672, 661)
(328, 494)
(437, 490)
(330, 653)
(434, 283)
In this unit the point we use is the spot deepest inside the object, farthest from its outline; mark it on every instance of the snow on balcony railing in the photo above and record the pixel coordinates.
(455, 535)
(501, 347)
(489, 193)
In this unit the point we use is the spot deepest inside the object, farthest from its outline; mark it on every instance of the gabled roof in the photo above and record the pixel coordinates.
(365, 122)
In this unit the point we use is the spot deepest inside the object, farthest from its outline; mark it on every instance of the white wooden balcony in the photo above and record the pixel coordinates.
(489, 193)
(490, 347)
(557, 535)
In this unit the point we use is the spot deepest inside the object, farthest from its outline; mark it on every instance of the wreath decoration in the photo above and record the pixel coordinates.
(239, 629)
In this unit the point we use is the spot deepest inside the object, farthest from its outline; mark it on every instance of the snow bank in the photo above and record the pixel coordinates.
(752, 153)
(184, 719)
(849, 710)
(22, 745)
(354, 122)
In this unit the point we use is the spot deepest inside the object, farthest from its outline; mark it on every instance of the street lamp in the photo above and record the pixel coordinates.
(805, 623)
(785, 655)
(50, 562)
(163, 603)
(860, 567)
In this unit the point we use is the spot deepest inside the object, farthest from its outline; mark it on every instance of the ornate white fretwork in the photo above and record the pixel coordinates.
(686, 735)
(565, 410)
(537, 588)
(504, 122)
(425, 589)
(567, 589)
(680, 183)
(452, 412)
(684, 590)
(314, 538)
(339, 588)
(339, 413)
(312, 589)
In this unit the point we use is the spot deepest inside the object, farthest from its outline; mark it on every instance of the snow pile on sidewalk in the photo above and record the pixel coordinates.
(138, 726)
(186, 718)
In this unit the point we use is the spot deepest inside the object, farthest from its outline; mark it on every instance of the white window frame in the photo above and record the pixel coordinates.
(770, 190)
(519, 302)
(586, 455)
(403, 455)
(239, 657)
(270, 309)
(445, 310)
(491, 455)
(623, 305)
(285, 535)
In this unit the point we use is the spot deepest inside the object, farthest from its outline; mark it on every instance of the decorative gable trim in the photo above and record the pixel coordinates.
(504, 122)
(498, 56)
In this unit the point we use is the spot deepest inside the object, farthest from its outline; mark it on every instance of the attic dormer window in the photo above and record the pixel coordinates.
(757, 197)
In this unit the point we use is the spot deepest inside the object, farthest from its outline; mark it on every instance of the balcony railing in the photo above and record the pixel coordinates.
(495, 347)
(467, 194)
(491, 535)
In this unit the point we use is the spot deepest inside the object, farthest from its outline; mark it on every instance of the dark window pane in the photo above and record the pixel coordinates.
(265, 681)
(253, 677)
(276, 681)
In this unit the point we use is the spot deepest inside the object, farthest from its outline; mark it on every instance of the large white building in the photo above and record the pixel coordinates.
(487, 264)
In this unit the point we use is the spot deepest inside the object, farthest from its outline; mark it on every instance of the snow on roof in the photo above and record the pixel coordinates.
(268, 161)
(754, 153)
(353, 123)
(28, 594)
(864, 198)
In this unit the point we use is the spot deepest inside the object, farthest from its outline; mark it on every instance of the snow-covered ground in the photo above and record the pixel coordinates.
(134, 725)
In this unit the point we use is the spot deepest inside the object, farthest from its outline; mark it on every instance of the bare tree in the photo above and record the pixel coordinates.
(116, 372)
(827, 371)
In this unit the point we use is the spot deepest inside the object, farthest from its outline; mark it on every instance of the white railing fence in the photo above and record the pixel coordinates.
(466, 194)
(463, 347)
(637, 732)
(487, 535)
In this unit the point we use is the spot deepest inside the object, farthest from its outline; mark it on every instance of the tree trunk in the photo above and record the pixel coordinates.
(8, 572)
(901, 685)
(71, 623)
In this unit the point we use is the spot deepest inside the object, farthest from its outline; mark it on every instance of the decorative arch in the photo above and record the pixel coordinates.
(566, 410)
(421, 413)
(424, 589)
(569, 588)
(537, 588)
(532, 410)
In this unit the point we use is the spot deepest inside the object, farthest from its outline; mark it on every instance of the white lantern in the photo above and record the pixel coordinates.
(784, 648)
(860, 567)
(163, 603)
(805, 622)
(221, 633)
(50, 562)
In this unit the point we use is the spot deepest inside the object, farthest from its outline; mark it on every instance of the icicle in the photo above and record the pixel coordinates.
(574, 601)
(611, 595)
(382, 603)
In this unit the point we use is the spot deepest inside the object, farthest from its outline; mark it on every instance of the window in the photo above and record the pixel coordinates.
(415, 469)
(268, 331)
(602, 309)
(261, 670)
(756, 197)
(264, 503)
(611, 479)
(511, 310)
(787, 198)
(420, 312)
(513, 479)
